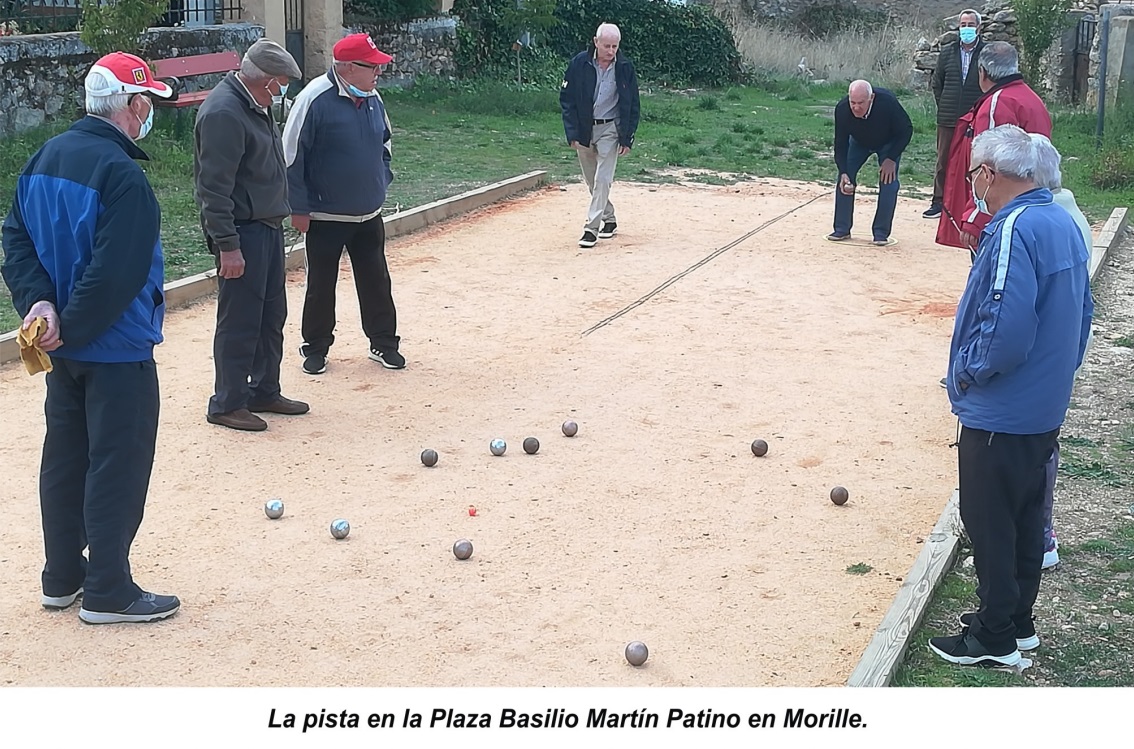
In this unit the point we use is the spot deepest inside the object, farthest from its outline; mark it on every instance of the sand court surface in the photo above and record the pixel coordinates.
(655, 523)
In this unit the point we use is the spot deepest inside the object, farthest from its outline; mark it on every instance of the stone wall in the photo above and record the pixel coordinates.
(41, 77)
(1118, 10)
(424, 47)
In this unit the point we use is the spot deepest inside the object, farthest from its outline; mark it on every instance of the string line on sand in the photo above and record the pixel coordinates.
(707, 259)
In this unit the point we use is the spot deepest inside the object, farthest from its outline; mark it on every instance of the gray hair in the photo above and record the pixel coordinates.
(999, 60)
(861, 84)
(1047, 173)
(609, 31)
(107, 106)
(1009, 151)
(969, 12)
(249, 70)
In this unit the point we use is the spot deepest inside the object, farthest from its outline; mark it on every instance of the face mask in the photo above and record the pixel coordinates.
(357, 92)
(147, 125)
(278, 98)
(968, 35)
(982, 203)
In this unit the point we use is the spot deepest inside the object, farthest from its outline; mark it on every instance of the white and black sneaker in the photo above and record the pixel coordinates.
(148, 608)
(966, 650)
(313, 364)
(1026, 637)
(59, 603)
(390, 358)
(608, 229)
(589, 239)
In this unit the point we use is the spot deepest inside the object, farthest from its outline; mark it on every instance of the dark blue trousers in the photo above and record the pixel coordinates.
(857, 154)
(102, 422)
(251, 311)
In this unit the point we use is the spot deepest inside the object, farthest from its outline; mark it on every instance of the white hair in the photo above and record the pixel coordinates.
(969, 12)
(999, 60)
(107, 106)
(861, 84)
(249, 70)
(608, 31)
(1047, 173)
(1009, 151)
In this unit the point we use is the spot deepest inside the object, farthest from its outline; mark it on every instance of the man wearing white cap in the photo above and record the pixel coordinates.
(241, 186)
(337, 146)
(83, 260)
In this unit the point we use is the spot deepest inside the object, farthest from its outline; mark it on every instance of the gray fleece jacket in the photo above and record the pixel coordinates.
(238, 165)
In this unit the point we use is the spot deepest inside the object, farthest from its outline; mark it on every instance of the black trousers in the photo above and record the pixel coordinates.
(366, 245)
(102, 422)
(251, 312)
(1002, 479)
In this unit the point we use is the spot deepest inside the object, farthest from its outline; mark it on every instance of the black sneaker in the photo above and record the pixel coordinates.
(589, 239)
(315, 364)
(944, 383)
(148, 608)
(390, 358)
(607, 230)
(1026, 637)
(60, 602)
(933, 212)
(966, 650)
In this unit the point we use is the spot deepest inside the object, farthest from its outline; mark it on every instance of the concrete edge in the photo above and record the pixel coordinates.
(187, 290)
(887, 648)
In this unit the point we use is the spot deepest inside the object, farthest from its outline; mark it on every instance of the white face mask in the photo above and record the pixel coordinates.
(147, 124)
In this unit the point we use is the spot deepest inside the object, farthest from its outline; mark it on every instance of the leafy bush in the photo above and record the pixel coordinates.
(1113, 168)
(1038, 23)
(489, 29)
(380, 12)
(678, 44)
(118, 26)
(831, 18)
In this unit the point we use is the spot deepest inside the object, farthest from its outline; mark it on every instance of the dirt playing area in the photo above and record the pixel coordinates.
(655, 523)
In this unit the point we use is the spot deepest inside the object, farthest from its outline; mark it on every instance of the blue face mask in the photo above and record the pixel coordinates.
(968, 35)
(357, 92)
(147, 125)
(982, 203)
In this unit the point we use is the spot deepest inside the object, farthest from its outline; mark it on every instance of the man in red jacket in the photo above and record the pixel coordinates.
(1007, 100)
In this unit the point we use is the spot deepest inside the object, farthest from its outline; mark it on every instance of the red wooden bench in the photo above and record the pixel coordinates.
(173, 70)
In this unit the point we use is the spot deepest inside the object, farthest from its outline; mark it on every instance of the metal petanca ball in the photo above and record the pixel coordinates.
(839, 495)
(273, 508)
(429, 457)
(498, 446)
(531, 446)
(462, 549)
(637, 653)
(340, 528)
(759, 448)
(570, 428)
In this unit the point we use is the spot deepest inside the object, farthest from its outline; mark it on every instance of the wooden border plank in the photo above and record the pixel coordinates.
(187, 290)
(887, 648)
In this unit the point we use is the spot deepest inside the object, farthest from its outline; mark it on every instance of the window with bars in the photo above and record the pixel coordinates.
(50, 16)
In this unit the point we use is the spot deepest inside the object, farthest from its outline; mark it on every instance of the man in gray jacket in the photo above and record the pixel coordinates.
(956, 87)
(241, 189)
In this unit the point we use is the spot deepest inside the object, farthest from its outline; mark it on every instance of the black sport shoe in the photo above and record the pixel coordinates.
(966, 650)
(315, 364)
(933, 212)
(148, 608)
(1026, 637)
(390, 358)
(589, 239)
(607, 230)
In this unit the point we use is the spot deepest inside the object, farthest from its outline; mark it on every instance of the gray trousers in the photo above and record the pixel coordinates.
(598, 161)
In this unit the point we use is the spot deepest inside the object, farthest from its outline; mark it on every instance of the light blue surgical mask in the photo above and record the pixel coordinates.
(147, 124)
(278, 98)
(357, 92)
(968, 35)
(982, 203)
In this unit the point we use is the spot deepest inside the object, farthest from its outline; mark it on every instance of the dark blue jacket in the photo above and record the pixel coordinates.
(1022, 324)
(577, 98)
(886, 129)
(84, 234)
(337, 151)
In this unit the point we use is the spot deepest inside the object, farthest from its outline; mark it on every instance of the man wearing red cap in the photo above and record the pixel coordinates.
(337, 147)
(83, 257)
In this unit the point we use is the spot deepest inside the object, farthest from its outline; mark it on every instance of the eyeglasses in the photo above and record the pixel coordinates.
(368, 66)
(972, 172)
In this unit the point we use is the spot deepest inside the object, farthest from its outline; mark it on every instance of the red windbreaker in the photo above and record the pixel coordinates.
(1011, 102)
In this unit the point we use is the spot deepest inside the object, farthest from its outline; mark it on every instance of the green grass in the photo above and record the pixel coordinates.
(859, 569)
(450, 138)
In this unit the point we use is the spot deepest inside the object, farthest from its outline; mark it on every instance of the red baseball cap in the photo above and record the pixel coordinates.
(122, 73)
(359, 48)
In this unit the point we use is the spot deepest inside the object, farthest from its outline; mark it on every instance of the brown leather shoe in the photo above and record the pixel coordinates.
(282, 405)
(241, 419)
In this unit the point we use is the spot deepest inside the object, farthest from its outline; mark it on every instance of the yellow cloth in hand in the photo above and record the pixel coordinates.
(35, 359)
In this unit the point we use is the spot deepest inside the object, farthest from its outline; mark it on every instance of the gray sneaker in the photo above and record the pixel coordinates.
(60, 602)
(148, 608)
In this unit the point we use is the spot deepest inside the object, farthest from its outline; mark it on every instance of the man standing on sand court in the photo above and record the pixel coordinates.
(599, 99)
(868, 121)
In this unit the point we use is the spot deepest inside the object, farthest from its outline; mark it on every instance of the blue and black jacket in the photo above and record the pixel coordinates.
(577, 98)
(84, 234)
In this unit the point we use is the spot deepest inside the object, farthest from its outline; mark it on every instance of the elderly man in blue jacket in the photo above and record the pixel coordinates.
(1020, 333)
(599, 99)
(82, 253)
